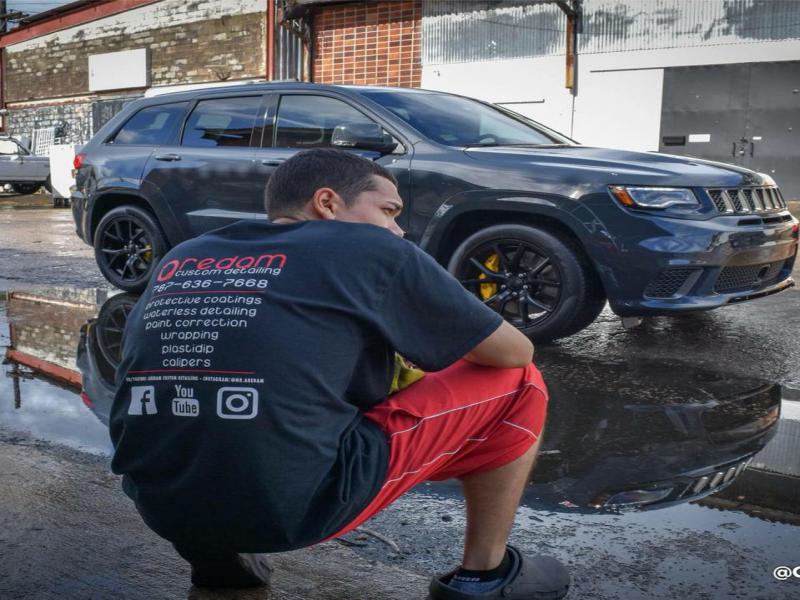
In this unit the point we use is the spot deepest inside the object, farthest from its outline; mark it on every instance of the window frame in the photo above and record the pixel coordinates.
(109, 140)
(402, 147)
(258, 118)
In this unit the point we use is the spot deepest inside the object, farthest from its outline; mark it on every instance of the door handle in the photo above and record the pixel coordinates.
(167, 157)
(272, 162)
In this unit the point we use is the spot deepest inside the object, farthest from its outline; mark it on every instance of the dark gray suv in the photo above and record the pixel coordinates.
(542, 229)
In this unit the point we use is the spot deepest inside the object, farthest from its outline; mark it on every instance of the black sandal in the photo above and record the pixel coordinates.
(529, 578)
(216, 568)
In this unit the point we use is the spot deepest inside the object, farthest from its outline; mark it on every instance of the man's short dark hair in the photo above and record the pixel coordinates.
(294, 183)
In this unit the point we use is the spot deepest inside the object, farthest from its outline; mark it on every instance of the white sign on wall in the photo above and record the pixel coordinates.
(118, 70)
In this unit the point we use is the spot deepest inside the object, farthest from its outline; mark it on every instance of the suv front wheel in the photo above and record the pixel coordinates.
(128, 244)
(539, 281)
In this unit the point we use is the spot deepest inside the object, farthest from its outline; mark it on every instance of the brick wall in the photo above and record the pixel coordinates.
(374, 43)
(204, 41)
(177, 54)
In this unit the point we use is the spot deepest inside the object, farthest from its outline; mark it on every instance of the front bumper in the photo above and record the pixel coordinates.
(678, 265)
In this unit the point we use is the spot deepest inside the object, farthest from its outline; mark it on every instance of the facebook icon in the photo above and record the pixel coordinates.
(143, 400)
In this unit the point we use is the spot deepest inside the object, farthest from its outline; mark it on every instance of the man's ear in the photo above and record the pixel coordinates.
(325, 203)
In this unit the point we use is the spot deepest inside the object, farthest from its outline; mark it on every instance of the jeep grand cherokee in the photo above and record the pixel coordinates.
(542, 229)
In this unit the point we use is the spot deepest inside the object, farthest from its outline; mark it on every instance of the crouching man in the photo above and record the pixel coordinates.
(252, 413)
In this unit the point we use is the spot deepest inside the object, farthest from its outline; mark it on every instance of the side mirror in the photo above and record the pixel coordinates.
(364, 136)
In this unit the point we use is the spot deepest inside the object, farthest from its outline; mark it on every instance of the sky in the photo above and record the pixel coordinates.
(34, 6)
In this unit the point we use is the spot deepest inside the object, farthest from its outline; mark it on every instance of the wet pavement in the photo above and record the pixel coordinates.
(39, 248)
(670, 466)
(658, 415)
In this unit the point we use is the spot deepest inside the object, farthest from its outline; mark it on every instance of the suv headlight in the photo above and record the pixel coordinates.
(656, 198)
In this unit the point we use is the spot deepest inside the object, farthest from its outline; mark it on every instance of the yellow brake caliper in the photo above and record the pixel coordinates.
(489, 289)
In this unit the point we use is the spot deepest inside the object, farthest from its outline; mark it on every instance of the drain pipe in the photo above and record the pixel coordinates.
(574, 11)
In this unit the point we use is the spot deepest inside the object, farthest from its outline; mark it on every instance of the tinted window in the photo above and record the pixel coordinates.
(222, 122)
(457, 121)
(309, 121)
(152, 126)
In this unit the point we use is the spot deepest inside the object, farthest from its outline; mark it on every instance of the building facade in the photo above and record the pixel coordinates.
(717, 79)
(74, 77)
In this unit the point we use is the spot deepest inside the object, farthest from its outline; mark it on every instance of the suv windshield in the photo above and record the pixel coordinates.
(456, 121)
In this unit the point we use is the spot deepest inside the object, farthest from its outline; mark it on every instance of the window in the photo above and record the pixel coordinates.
(222, 122)
(309, 121)
(457, 121)
(154, 125)
(9, 147)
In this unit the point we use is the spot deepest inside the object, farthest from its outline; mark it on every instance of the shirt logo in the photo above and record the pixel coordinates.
(237, 403)
(185, 404)
(143, 400)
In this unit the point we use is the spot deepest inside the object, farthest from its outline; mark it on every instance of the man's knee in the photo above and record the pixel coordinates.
(528, 409)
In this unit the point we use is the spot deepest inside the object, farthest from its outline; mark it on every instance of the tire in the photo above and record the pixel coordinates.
(563, 293)
(25, 188)
(110, 324)
(128, 244)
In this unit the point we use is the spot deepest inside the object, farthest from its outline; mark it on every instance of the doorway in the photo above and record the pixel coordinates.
(744, 114)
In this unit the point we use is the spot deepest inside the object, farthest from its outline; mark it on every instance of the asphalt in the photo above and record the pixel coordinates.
(66, 531)
(623, 407)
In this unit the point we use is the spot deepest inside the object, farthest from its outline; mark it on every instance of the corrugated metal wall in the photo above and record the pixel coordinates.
(290, 55)
(465, 31)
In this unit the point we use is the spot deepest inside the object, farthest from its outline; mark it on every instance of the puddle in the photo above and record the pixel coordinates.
(39, 389)
(671, 477)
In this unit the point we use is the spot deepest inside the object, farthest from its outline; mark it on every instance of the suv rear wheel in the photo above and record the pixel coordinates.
(128, 244)
(539, 281)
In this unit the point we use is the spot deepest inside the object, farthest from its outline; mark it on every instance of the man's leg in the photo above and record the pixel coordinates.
(483, 426)
(217, 568)
(492, 500)
(480, 425)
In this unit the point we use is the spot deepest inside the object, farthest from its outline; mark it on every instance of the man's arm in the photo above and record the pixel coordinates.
(506, 347)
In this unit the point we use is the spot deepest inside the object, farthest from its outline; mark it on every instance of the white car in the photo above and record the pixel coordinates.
(24, 171)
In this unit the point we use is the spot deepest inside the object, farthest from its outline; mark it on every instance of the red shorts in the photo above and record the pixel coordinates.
(459, 421)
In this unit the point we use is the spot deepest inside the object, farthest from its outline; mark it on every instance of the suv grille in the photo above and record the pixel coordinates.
(703, 485)
(746, 200)
(668, 282)
(743, 278)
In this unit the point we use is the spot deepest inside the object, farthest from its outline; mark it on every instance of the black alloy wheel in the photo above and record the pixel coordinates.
(128, 244)
(111, 324)
(537, 280)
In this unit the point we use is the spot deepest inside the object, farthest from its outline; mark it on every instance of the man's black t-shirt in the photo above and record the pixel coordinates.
(246, 365)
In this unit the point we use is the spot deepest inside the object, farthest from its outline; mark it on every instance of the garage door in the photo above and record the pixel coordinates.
(745, 114)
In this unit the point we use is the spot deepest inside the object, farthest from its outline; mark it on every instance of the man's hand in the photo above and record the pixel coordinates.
(506, 347)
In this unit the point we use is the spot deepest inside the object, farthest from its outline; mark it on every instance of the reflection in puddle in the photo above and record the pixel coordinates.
(621, 437)
(39, 394)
